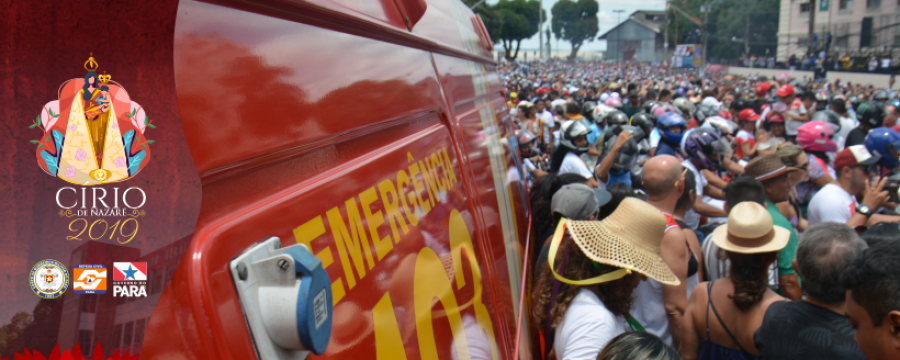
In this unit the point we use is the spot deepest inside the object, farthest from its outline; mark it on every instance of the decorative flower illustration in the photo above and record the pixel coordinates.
(80, 155)
(120, 162)
(73, 127)
(115, 126)
(73, 354)
(70, 172)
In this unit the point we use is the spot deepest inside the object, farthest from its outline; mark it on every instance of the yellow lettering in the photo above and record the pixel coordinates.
(418, 187)
(391, 205)
(450, 171)
(337, 290)
(402, 184)
(354, 242)
(430, 281)
(376, 219)
(441, 181)
(388, 342)
(461, 243)
(429, 181)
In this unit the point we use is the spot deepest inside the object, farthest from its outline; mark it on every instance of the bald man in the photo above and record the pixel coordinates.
(660, 308)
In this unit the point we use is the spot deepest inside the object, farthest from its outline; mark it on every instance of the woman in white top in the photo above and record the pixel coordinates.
(585, 301)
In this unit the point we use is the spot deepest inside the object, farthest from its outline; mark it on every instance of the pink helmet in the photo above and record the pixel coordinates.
(816, 136)
(614, 102)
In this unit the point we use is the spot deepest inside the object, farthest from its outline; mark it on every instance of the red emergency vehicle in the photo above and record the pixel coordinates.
(373, 132)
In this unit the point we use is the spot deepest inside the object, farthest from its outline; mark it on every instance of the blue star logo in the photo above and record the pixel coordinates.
(129, 273)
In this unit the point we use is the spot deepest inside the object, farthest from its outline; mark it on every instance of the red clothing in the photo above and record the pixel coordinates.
(740, 152)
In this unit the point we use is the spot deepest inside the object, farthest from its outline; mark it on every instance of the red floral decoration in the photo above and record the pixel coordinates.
(73, 354)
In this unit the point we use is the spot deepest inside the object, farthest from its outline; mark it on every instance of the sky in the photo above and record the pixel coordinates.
(606, 16)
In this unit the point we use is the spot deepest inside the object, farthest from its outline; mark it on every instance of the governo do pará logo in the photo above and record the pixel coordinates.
(94, 132)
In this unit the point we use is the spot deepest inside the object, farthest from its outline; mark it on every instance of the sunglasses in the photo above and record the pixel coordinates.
(868, 168)
(805, 166)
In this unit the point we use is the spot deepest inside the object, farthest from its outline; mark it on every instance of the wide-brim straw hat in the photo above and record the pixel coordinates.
(629, 238)
(750, 230)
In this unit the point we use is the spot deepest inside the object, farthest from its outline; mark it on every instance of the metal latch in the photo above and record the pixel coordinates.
(286, 298)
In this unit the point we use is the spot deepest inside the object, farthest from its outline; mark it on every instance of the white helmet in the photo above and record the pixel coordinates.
(685, 105)
(570, 130)
(600, 112)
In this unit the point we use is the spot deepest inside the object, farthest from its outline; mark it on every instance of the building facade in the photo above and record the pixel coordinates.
(638, 38)
(856, 26)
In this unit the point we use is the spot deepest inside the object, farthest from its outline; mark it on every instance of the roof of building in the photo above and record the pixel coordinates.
(645, 21)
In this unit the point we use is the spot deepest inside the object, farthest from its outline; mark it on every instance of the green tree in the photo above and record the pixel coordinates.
(727, 27)
(518, 21)
(575, 22)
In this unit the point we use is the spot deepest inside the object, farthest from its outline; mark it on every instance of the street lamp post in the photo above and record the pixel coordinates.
(619, 34)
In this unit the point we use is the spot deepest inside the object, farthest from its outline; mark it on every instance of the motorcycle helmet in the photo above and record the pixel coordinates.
(829, 117)
(588, 109)
(614, 102)
(642, 120)
(722, 126)
(600, 113)
(616, 117)
(685, 105)
(526, 144)
(570, 130)
(648, 106)
(816, 136)
(886, 143)
(668, 120)
(627, 156)
(705, 111)
(854, 101)
(702, 145)
(871, 113)
(880, 95)
(660, 108)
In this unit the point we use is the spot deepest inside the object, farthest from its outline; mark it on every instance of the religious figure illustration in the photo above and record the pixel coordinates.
(94, 133)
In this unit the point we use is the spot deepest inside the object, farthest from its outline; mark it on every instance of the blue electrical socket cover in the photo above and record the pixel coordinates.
(313, 281)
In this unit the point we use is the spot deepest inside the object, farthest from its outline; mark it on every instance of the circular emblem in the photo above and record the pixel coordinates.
(99, 174)
(49, 279)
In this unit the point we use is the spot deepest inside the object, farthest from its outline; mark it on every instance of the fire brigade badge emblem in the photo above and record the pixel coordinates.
(49, 279)
(94, 132)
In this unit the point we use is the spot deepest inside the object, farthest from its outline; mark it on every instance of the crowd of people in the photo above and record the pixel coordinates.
(708, 216)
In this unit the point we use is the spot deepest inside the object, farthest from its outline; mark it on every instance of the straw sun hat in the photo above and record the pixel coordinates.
(750, 230)
(629, 238)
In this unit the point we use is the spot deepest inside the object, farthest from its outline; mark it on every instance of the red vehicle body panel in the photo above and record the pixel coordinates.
(386, 151)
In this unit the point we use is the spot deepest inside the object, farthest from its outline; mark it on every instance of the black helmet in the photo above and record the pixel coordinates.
(880, 95)
(854, 101)
(643, 121)
(872, 113)
(829, 117)
(822, 96)
(627, 156)
(648, 105)
(616, 117)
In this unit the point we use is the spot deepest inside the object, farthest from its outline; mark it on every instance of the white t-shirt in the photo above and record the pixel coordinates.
(744, 135)
(556, 102)
(649, 309)
(831, 203)
(655, 136)
(692, 218)
(548, 118)
(847, 124)
(586, 328)
(886, 63)
(791, 125)
(574, 164)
